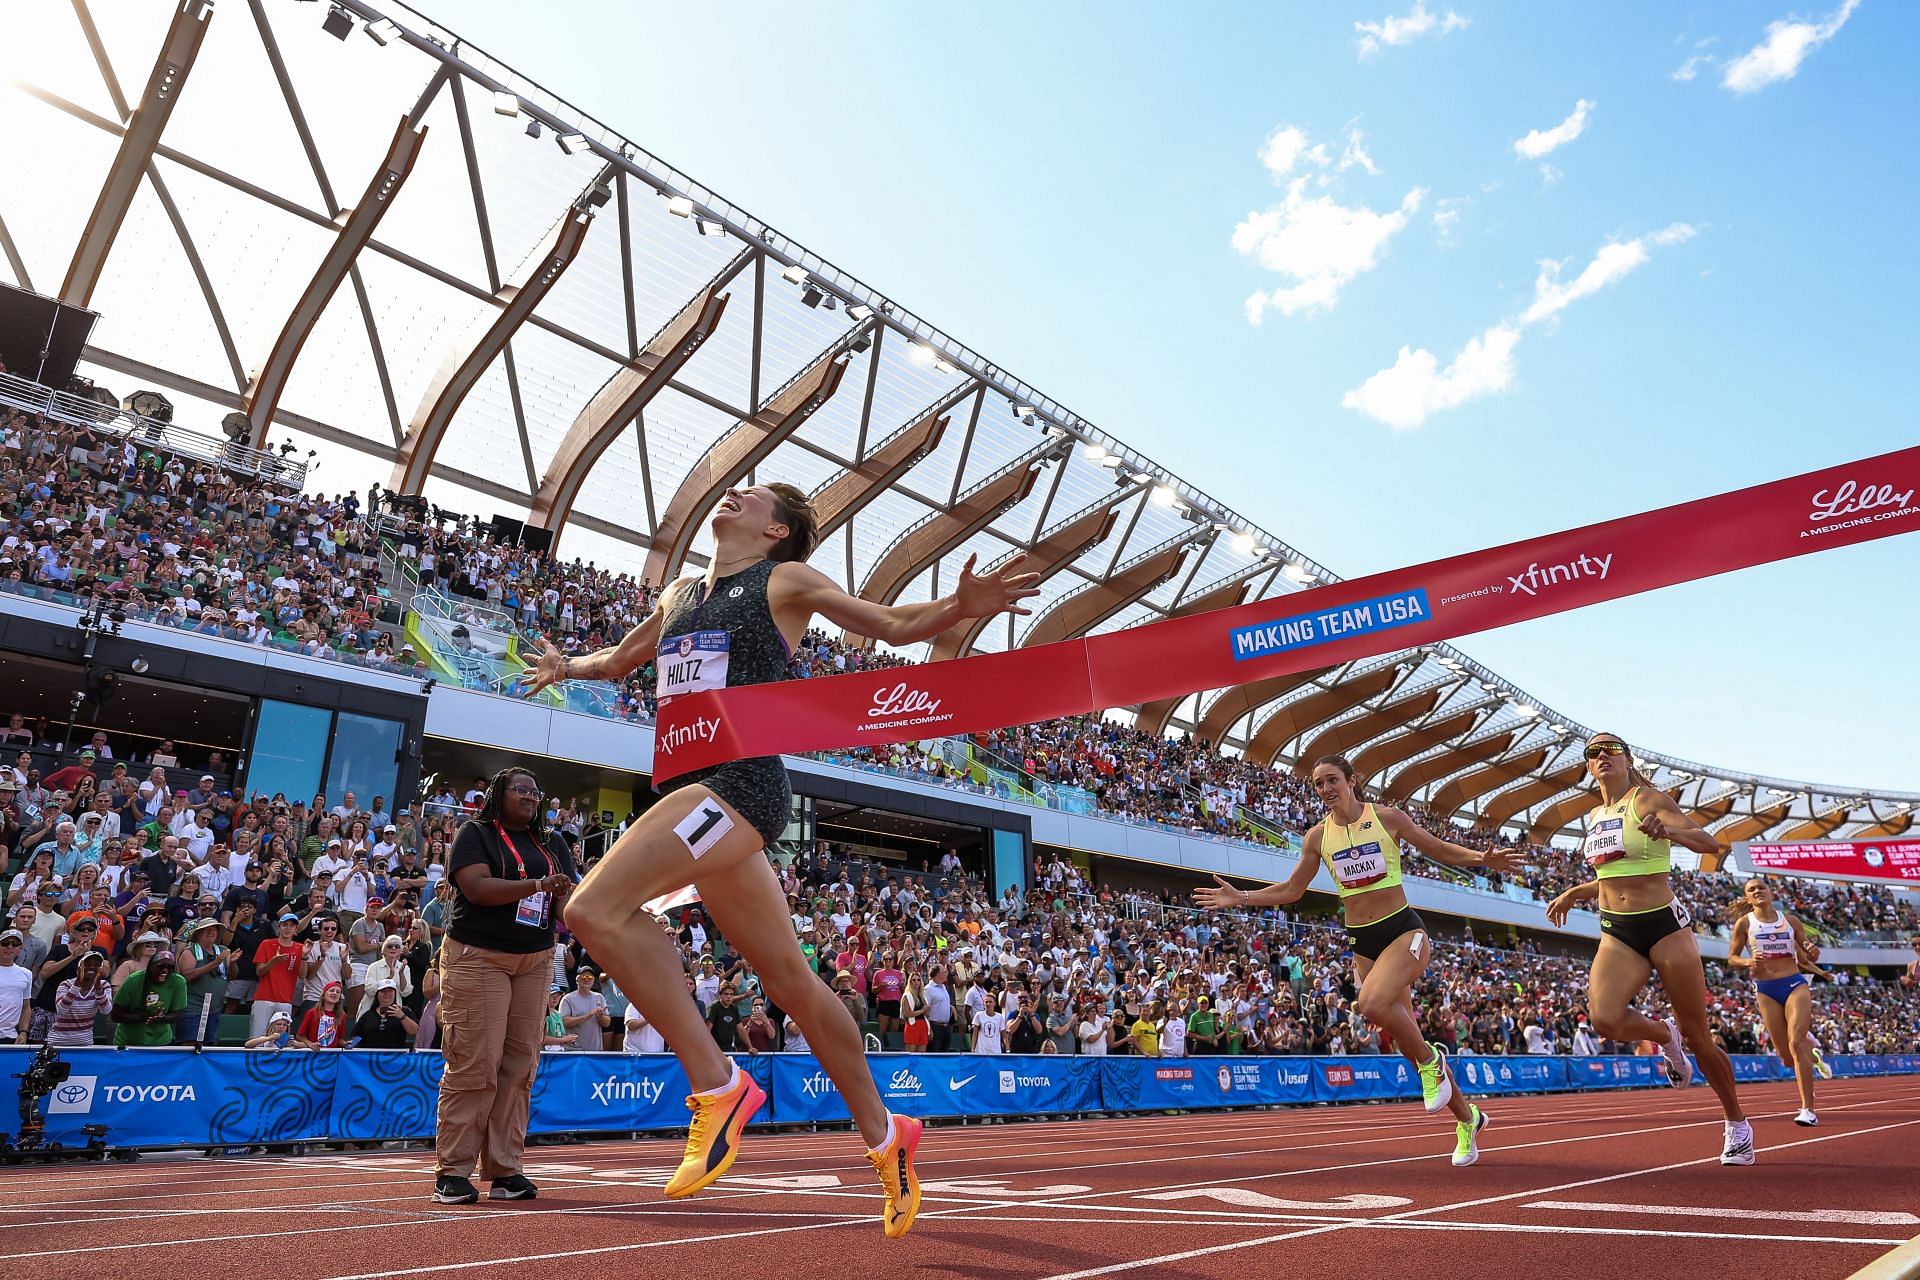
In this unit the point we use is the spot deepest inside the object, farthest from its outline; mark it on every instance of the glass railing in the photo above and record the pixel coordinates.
(162, 616)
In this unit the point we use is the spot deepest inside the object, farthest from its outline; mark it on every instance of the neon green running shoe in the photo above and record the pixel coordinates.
(1820, 1067)
(1466, 1139)
(1436, 1082)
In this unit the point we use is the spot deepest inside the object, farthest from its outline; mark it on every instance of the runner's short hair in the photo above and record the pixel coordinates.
(792, 508)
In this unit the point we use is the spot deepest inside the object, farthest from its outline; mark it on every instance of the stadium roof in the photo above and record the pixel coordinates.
(383, 244)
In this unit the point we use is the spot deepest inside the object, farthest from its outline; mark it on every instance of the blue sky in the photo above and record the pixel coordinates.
(1681, 287)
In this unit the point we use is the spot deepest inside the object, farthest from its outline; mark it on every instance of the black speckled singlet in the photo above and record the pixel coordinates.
(756, 788)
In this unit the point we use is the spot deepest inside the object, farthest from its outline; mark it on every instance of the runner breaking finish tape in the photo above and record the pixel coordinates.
(737, 625)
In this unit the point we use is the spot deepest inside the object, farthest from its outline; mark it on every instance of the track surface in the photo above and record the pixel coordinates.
(1616, 1185)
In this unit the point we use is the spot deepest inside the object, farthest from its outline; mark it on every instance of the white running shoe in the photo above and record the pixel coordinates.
(1679, 1068)
(1739, 1148)
(1806, 1118)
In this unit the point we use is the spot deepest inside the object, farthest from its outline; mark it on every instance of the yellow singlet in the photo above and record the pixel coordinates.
(1615, 845)
(1362, 857)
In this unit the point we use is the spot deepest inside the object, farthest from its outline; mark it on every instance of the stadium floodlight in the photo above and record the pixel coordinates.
(682, 207)
(920, 353)
(1243, 542)
(1526, 710)
(860, 311)
(708, 227)
(338, 23)
(1094, 452)
(945, 365)
(598, 194)
(1112, 461)
(573, 143)
(795, 274)
(812, 295)
(1024, 412)
(505, 104)
(1298, 573)
(382, 31)
(533, 127)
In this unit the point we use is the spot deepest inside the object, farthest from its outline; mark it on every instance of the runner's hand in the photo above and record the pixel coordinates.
(1001, 591)
(1505, 861)
(1216, 899)
(1653, 828)
(1558, 908)
(548, 668)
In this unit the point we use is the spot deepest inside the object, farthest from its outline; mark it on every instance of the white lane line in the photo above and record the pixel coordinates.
(1857, 1217)
(1407, 1216)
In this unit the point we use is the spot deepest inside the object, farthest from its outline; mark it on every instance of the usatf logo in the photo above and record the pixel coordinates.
(1337, 1077)
(1226, 1080)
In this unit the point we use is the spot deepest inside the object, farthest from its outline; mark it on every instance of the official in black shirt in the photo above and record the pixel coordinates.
(510, 878)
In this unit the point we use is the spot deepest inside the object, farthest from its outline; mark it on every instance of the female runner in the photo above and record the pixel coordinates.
(1778, 948)
(1644, 928)
(1360, 844)
(737, 625)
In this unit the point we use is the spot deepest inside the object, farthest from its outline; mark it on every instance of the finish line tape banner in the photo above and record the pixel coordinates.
(1383, 613)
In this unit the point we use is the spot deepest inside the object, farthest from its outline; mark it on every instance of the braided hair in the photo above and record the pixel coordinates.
(495, 803)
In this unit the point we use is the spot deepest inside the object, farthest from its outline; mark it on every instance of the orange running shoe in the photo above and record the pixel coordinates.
(713, 1139)
(894, 1163)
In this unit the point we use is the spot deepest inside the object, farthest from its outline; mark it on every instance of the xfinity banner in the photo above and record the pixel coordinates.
(1323, 627)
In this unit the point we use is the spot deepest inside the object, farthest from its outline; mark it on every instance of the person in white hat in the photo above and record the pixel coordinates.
(279, 1029)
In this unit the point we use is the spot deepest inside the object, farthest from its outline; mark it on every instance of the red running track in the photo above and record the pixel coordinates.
(1621, 1185)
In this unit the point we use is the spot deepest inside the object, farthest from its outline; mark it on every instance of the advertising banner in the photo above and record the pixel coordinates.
(1897, 860)
(1167, 1084)
(1526, 1074)
(232, 1097)
(920, 1084)
(1325, 626)
(174, 1098)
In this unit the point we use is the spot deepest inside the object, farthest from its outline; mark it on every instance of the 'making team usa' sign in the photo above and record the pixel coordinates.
(1362, 616)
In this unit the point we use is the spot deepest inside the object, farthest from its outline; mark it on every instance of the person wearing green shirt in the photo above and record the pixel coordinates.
(147, 1003)
(810, 953)
(1203, 1029)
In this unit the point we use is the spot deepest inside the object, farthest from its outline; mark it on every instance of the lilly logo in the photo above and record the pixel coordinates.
(901, 701)
(1851, 499)
(75, 1097)
(904, 1081)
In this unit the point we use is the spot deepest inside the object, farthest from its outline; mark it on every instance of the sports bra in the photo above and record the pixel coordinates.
(1616, 846)
(1363, 857)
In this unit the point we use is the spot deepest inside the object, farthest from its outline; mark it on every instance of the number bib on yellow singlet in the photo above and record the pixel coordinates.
(1359, 865)
(1606, 841)
(693, 663)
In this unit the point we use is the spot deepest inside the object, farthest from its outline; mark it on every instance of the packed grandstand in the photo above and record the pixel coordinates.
(129, 844)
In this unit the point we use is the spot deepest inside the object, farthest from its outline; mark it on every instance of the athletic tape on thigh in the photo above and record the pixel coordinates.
(1299, 631)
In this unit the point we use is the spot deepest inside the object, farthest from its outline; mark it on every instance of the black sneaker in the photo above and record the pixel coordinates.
(512, 1187)
(448, 1189)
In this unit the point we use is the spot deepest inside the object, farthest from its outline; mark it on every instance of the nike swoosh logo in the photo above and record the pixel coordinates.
(961, 1083)
(721, 1144)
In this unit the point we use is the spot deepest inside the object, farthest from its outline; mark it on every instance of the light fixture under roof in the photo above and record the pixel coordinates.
(1243, 542)
(708, 227)
(382, 31)
(505, 104)
(573, 143)
(920, 353)
(859, 311)
(682, 207)
(338, 23)
(1094, 452)
(795, 274)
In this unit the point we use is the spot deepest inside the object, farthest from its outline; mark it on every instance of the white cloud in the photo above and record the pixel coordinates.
(1416, 387)
(1550, 174)
(1778, 57)
(1446, 219)
(1690, 68)
(1319, 244)
(1354, 155)
(1541, 142)
(1284, 148)
(1614, 262)
(1407, 29)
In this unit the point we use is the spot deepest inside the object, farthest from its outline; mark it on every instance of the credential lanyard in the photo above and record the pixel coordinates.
(507, 840)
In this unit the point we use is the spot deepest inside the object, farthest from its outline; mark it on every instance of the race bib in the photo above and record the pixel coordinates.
(532, 910)
(1606, 841)
(692, 663)
(1361, 864)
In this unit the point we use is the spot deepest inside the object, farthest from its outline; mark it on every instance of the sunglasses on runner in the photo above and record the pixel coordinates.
(1599, 749)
